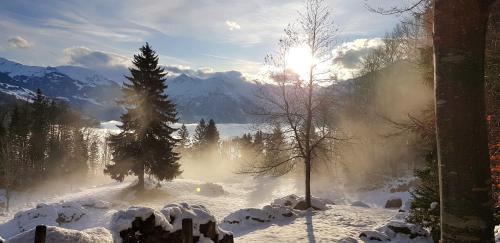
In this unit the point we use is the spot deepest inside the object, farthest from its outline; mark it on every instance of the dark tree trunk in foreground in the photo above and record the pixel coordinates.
(465, 184)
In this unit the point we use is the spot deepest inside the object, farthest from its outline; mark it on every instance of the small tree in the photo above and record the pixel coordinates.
(212, 134)
(200, 133)
(183, 134)
(425, 198)
(295, 102)
(93, 156)
(79, 154)
(258, 141)
(145, 143)
(276, 151)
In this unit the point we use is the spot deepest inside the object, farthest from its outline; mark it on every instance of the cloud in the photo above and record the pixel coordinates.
(184, 30)
(262, 20)
(114, 66)
(86, 57)
(175, 70)
(232, 25)
(111, 65)
(348, 56)
(19, 42)
(204, 73)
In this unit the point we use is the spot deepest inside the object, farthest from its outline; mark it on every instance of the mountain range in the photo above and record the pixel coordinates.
(225, 96)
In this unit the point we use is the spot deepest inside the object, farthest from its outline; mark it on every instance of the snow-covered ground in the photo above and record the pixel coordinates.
(91, 207)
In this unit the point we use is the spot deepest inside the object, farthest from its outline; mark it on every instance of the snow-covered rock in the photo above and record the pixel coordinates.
(147, 224)
(176, 212)
(359, 204)
(395, 228)
(47, 214)
(140, 224)
(62, 235)
(397, 231)
(373, 236)
(296, 202)
(53, 214)
(250, 217)
(123, 219)
(281, 211)
(69, 212)
(394, 203)
(23, 221)
(200, 215)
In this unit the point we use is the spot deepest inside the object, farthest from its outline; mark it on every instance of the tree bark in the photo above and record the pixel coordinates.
(140, 182)
(308, 183)
(464, 170)
(7, 199)
(308, 134)
(492, 60)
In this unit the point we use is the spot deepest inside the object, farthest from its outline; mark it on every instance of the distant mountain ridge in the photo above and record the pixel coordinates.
(226, 97)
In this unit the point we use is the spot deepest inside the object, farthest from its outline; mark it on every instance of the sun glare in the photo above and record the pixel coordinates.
(300, 59)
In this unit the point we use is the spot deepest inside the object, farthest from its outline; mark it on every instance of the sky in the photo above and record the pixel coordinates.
(194, 35)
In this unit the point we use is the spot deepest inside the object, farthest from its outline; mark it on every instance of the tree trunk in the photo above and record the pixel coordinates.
(7, 199)
(464, 171)
(309, 131)
(492, 60)
(140, 182)
(308, 182)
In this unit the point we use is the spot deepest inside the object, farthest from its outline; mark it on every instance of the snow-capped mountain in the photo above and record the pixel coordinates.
(227, 97)
(84, 89)
(223, 96)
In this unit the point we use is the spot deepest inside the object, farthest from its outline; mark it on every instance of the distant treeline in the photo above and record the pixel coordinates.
(44, 139)
(246, 153)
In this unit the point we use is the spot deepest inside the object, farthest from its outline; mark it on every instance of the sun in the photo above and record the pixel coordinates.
(300, 59)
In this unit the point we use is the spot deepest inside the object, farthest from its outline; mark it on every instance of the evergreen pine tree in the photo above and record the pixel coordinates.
(245, 147)
(3, 143)
(212, 134)
(145, 143)
(246, 141)
(39, 132)
(183, 137)
(258, 141)
(276, 152)
(18, 157)
(425, 197)
(256, 148)
(55, 144)
(79, 154)
(93, 157)
(200, 133)
(14, 166)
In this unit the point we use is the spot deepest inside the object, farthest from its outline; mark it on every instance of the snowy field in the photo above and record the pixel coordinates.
(340, 222)
(257, 205)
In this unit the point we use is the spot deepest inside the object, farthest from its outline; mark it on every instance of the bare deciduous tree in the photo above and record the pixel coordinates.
(298, 102)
